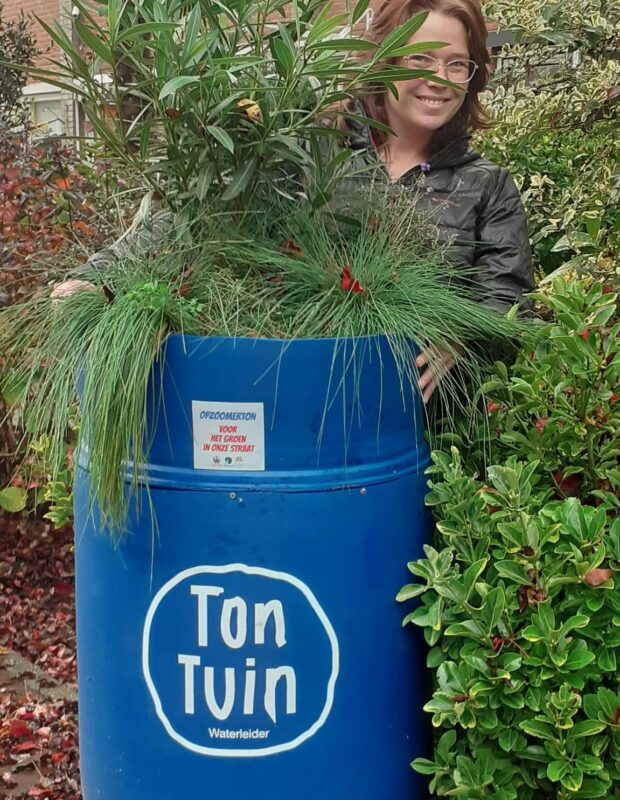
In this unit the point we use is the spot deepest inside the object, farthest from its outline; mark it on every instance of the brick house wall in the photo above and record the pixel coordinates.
(47, 10)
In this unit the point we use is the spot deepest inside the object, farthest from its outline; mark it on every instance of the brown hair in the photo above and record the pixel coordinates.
(390, 15)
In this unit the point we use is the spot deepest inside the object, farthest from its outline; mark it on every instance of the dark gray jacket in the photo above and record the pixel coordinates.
(478, 212)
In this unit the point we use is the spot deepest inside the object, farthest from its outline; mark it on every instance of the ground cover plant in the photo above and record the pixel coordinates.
(38, 708)
(518, 599)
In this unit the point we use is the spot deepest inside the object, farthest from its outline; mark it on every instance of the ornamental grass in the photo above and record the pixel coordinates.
(303, 276)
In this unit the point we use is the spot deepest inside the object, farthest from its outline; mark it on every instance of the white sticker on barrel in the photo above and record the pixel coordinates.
(228, 436)
(240, 661)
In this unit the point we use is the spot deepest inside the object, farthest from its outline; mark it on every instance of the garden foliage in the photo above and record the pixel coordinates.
(304, 278)
(218, 107)
(220, 102)
(518, 597)
(556, 100)
(53, 209)
(56, 206)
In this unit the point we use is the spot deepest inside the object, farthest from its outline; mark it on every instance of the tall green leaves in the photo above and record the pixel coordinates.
(197, 96)
(278, 273)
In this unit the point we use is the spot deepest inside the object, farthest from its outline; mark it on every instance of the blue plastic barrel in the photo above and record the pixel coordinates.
(250, 645)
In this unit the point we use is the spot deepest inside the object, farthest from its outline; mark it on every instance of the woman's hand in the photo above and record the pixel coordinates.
(67, 288)
(433, 366)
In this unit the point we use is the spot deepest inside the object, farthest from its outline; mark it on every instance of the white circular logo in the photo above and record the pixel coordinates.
(240, 661)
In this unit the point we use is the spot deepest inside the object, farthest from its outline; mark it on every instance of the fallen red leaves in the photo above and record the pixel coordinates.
(18, 729)
(36, 602)
(38, 735)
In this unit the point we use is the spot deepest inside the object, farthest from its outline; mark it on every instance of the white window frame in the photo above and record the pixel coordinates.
(35, 93)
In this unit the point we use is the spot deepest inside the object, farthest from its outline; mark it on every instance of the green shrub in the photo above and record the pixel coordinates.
(570, 184)
(555, 99)
(517, 597)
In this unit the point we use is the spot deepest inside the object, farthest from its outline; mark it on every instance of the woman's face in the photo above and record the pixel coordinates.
(422, 106)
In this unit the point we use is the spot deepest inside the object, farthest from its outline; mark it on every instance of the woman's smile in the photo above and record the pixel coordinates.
(433, 102)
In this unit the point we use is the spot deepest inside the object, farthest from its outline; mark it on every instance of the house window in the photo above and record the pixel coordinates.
(47, 109)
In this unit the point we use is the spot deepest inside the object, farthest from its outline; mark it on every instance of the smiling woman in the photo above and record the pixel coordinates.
(474, 203)
(459, 30)
(424, 107)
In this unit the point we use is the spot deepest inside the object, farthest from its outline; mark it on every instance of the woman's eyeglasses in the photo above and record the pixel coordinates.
(461, 70)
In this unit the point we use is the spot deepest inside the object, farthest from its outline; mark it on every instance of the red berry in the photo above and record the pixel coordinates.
(585, 335)
(492, 407)
(346, 280)
(291, 248)
(541, 422)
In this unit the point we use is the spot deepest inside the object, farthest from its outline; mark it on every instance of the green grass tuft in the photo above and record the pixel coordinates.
(281, 274)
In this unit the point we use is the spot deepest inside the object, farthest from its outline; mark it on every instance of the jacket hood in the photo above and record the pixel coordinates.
(454, 154)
